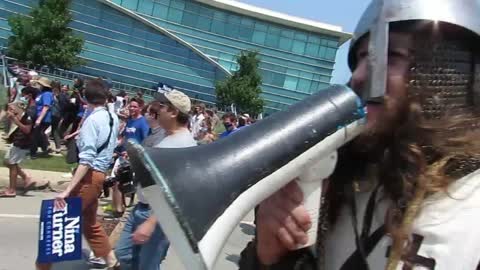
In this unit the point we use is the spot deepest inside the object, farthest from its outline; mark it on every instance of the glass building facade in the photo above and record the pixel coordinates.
(192, 44)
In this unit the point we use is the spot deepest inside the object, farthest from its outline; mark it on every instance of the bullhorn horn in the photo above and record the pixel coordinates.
(200, 194)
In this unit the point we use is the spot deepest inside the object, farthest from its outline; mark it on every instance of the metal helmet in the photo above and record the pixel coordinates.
(377, 20)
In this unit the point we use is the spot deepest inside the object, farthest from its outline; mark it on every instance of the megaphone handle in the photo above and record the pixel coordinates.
(311, 183)
(312, 193)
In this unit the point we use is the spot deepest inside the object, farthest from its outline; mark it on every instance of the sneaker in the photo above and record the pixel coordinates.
(96, 262)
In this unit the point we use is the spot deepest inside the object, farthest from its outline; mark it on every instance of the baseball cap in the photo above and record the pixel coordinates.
(178, 99)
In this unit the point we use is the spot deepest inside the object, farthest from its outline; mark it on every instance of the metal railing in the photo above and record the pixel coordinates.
(67, 76)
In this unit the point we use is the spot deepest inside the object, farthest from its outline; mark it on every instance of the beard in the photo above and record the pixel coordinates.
(380, 135)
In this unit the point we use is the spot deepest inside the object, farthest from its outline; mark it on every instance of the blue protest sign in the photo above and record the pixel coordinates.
(60, 233)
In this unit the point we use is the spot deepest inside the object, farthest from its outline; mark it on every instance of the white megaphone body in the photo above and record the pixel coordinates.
(200, 194)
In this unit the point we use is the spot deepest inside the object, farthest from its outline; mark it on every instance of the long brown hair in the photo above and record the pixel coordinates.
(421, 156)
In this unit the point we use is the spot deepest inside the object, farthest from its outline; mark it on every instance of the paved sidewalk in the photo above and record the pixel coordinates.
(19, 223)
(20, 216)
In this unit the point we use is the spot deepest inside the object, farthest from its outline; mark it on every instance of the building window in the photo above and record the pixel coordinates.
(218, 27)
(274, 30)
(323, 70)
(312, 49)
(232, 30)
(290, 83)
(272, 40)
(189, 19)
(286, 43)
(306, 75)
(145, 7)
(204, 23)
(313, 39)
(226, 56)
(304, 85)
(322, 51)
(130, 4)
(267, 76)
(160, 11)
(221, 16)
(293, 72)
(245, 33)
(163, 2)
(175, 15)
(192, 7)
(332, 43)
(204, 11)
(178, 4)
(234, 19)
(259, 37)
(278, 79)
(300, 36)
(331, 53)
(323, 86)
(248, 22)
(278, 68)
(298, 47)
(261, 26)
(288, 33)
(314, 87)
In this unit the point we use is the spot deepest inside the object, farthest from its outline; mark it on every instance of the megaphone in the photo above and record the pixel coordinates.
(200, 194)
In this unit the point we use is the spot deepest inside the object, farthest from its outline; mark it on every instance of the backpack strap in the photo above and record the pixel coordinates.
(105, 144)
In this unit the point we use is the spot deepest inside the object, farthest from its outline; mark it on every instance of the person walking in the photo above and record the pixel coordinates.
(43, 120)
(20, 138)
(142, 244)
(96, 142)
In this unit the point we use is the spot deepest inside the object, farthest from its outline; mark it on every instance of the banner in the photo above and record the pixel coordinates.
(163, 88)
(60, 233)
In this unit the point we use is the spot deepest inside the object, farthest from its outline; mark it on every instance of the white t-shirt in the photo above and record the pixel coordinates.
(118, 105)
(446, 229)
(197, 124)
(111, 107)
(180, 139)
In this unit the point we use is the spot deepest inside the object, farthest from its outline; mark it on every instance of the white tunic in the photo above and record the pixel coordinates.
(448, 223)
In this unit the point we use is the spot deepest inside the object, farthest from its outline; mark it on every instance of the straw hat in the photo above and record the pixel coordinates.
(45, 82)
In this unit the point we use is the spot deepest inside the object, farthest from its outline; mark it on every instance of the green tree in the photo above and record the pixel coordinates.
(243, 88)
(44, 38)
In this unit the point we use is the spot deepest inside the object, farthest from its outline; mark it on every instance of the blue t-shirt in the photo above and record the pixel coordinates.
(45, 99)
(81, 110)
(136, 129)
(228, 132)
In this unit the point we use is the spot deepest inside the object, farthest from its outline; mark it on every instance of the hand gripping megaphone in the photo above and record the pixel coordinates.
(200, 194)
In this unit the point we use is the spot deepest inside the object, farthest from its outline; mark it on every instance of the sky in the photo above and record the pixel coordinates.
(344, 13)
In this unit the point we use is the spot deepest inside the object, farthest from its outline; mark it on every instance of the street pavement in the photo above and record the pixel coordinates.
(19, 228)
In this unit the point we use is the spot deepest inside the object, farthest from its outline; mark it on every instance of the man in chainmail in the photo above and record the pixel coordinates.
(406, 193)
